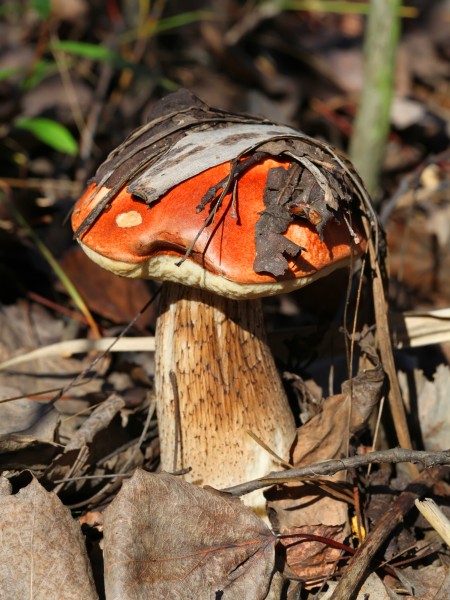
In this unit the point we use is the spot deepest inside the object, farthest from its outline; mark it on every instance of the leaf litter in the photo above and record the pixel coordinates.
(44, 558)
(418, 237)
(322, 507)
(165, 537)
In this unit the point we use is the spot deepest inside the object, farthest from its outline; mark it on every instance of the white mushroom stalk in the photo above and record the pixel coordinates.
(217, 381)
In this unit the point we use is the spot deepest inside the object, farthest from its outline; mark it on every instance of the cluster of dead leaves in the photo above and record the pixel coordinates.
(75, 444)
(160, 536)
(163, 537)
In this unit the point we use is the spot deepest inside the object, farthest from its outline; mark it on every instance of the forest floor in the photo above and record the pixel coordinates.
(75, 78)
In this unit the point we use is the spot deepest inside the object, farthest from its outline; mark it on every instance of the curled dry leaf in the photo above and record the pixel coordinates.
(42, 550)
(365, 390)
(323, 437)
(33, 446)
(166, 538)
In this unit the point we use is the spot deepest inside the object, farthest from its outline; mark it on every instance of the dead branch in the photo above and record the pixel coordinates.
(330, 467)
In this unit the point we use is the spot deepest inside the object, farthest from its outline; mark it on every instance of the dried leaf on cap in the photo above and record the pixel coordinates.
(185, 137)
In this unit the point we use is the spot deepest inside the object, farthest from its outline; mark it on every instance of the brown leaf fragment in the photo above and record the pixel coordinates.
(425, 582)
(312, 559)
(325, 435)
(166, 538)
(114, 298)
(365, 390)
(98, 420)
(19, 452)
(42, 550)
(28, 432)
(27, 326)
(20, 415)
(271, 245)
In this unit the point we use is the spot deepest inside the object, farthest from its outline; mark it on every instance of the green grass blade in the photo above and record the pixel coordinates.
(51, 133)
(151, 27)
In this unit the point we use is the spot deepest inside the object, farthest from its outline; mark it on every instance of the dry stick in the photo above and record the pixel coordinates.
(358, 567)
(178, 442)
(68, 85)
(387, 358)
(60, 186)
(366, 150)
(90, 128)
(330, 467)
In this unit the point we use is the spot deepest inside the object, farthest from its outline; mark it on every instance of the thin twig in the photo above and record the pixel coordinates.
(330, 467)
(82, 374)
(387, 357)
(87, 134)
(178, 441)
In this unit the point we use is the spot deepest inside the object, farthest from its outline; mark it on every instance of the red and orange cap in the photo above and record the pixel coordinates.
(134, 239)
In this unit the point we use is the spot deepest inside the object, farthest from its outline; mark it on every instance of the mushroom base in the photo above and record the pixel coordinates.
(216, 380)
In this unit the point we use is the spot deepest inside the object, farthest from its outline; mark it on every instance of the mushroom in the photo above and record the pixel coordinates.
(273, 223)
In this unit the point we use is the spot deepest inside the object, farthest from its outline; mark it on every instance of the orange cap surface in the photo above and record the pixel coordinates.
(131, 232)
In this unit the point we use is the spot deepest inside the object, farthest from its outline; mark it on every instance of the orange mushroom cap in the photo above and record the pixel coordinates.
(133, 239)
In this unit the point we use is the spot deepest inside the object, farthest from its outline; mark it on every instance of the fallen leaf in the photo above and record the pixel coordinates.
(310, 559)
(42, 550)
(27, 326)
(32, 446)
(166, 538)
(112, 297)
(19, 415)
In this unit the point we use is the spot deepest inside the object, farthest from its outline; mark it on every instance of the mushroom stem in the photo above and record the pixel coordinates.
(215, 381)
